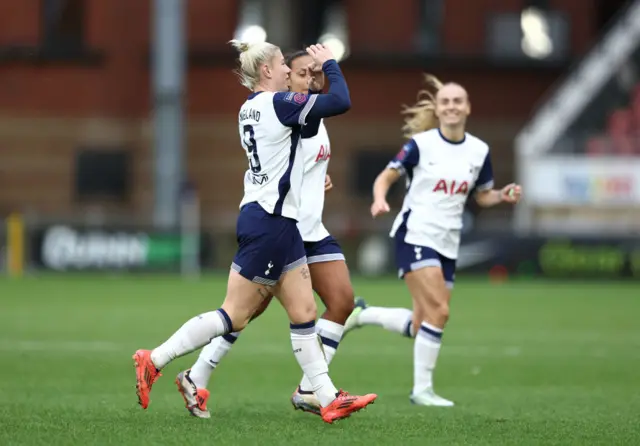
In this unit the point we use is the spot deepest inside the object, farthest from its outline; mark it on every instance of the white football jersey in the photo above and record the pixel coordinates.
(440, 176)
(316, 152)
(270, 131)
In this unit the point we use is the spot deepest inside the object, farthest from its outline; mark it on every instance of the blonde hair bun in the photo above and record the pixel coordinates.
(240, 46)
(252, 57)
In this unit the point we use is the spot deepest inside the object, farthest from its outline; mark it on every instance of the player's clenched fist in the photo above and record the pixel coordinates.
(379, 207)
(511, 193)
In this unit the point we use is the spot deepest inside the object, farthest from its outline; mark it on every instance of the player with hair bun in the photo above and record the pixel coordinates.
(270, 259)
(444, 165)
(327, 266)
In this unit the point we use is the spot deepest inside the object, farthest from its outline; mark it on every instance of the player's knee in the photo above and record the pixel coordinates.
(416, 321)
(303, 312)
(341, 305)
(310, 311)
(347, 304)
(442, 312)
(237, 323)
(239, 317)
(435, 309)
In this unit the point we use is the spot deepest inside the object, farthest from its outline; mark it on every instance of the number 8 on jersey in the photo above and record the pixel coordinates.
(250, 145)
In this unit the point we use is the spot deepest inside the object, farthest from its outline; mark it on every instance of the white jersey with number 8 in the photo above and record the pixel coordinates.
(270, 127)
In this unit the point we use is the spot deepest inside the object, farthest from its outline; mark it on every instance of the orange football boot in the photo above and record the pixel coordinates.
(146, 375)
(344, 405)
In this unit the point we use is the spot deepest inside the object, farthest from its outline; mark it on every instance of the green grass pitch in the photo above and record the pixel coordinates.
(527, 362)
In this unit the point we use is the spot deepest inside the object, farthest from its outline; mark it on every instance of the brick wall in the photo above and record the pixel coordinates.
(49, 110)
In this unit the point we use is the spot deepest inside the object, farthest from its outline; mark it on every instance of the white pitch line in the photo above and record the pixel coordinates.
(59, 346)
(250, 349)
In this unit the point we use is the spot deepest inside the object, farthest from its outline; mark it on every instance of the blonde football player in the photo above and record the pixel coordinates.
(271, 258)
(443, 165)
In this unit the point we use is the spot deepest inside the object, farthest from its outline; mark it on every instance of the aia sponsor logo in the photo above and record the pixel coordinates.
(324, 153)
(451, 187)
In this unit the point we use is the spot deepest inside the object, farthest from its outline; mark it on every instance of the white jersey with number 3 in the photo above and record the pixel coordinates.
(316, 152)
(440, 176)
(270, 132)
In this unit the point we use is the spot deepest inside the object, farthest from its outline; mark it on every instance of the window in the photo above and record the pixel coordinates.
(312, 19)
(428, 38)
(62, 23)
(532, 35)
(102, 172)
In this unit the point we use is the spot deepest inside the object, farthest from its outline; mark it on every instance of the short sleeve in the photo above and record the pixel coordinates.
(292, 108)
(311, 128)
(485, 177)
(406, 159)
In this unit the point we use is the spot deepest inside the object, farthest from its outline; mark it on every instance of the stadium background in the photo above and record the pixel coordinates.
(104, 170)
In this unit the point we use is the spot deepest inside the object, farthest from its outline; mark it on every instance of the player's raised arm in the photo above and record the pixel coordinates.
(403, 163)
(486, 195)
(337, 100)
(316, 85)
(299, 108)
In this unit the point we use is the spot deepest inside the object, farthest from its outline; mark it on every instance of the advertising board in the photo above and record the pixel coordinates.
(567, 180)
(65, 247)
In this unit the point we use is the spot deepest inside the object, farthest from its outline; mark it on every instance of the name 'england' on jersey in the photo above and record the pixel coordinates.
(316, 152)
(270, 126)
(440, 176)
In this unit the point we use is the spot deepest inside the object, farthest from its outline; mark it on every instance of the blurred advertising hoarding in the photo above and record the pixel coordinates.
(553, 257)
(72, 248)
(582, 195)
(66, 248)
(602, 182)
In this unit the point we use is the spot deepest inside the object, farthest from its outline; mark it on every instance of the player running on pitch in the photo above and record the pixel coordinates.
(443, 165)
(329, 272)
(271, 256)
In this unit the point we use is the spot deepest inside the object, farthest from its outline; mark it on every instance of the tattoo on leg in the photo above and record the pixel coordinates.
(265, 292)
(305, 272)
